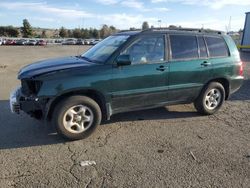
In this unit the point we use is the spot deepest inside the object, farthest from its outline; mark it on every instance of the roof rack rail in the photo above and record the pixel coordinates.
(198, 30)
(201, 30)
(127, 30)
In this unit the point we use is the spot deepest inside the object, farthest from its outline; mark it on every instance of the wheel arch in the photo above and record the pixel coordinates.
(97, 96)
(224, 82)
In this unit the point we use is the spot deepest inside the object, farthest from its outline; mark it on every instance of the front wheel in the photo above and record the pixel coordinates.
(77, 117)
(210, 99)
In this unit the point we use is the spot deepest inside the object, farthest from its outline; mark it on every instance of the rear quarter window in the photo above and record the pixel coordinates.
(216, 46)
(183, 47)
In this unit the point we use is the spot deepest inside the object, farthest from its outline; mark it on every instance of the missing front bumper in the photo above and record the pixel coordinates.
(14, 103)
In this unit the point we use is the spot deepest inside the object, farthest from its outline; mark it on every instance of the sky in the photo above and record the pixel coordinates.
(124, 14)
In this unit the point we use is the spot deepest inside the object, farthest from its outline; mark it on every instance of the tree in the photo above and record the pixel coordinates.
(85, 33)
(145, 25)
(112, 29)
(27, 29)
(95, 33)
(104, 32)
(172, 27)
(77, 33)
(44, 35)
(63, 32)
(9, 31)
(13, 32)
(70, 34)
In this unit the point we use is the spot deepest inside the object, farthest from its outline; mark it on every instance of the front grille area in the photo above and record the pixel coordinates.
(30, 87)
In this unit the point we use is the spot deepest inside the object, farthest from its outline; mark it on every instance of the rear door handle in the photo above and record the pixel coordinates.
(205, 64)
(161, 68)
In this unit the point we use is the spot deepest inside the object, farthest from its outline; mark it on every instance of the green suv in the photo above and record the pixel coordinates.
(129, 71)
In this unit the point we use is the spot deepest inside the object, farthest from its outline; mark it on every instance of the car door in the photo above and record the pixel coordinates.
(144, 82)
(189, 68)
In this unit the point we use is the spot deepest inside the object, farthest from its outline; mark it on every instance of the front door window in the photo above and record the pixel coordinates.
(146, 50)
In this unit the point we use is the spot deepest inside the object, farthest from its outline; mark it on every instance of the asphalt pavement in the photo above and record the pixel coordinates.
(164, 147)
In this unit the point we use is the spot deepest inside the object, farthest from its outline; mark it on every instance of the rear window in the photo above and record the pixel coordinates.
(216, 47)
(183, 47)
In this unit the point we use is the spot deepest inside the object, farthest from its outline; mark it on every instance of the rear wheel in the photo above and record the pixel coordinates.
(210, 99)
(77, 117)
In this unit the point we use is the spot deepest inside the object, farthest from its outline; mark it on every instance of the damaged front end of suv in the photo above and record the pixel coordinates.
(25, 98)
(31, 97)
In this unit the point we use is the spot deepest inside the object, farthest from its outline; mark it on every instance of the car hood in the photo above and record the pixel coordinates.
(50, 65)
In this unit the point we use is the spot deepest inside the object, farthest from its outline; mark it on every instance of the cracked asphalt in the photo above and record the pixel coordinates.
(164, 147)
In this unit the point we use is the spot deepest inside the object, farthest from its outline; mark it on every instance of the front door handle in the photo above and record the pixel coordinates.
(205, 64)
(161, 68)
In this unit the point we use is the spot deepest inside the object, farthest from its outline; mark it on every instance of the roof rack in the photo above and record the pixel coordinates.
(198, 30)
(128, 30)
(201, 30)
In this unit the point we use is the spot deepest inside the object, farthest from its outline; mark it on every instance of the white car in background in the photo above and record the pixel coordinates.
(69, 42)
(31, 42)
(94, 42)
(1, 41)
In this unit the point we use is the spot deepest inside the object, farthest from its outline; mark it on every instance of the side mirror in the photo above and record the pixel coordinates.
(123, 60)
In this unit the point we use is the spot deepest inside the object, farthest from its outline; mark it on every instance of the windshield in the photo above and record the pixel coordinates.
(102, 51)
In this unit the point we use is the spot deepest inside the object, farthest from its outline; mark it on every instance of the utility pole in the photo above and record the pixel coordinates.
(83, 22)
(229, 25)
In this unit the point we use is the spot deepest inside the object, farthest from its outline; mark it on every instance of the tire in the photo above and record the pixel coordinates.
(210, 99)
(77, 117)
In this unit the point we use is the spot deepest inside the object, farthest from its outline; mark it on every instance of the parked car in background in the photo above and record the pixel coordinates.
(32, 42)
(94, 41)
(79, 42)
(87, 41)
(91, 42)
(41, 42)
(10, 42)
(59, 41)
(21, 42)
(130, 71)
(69, 42)
(1, 41)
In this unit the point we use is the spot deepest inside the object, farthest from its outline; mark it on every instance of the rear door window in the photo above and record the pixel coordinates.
(216, 47)
(184, 47)
(202, 47)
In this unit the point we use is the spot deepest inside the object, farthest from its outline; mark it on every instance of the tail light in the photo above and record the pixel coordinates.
(241, 69)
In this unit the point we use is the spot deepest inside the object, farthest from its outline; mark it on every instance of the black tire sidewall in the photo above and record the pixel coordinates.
(62, 107)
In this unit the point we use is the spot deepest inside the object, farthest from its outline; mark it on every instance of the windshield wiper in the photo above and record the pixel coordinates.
(88, 59)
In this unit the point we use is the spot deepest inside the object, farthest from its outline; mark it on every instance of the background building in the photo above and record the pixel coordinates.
(245, 42)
